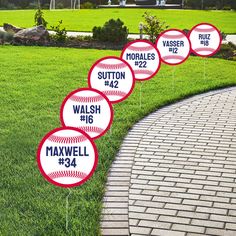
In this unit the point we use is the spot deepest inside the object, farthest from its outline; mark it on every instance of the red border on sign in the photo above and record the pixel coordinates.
(93, 90)
(150, 43)
(182, 32)
(123, 61)
(218, 34)
(54, 182)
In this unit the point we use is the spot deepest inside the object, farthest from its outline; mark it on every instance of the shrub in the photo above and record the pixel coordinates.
(153, 26)
(39, 19)
(113, 31)
(87, 5)
(61, 33)
(227, 51)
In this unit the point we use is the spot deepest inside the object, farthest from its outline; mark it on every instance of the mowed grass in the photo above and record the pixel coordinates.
(86, 19)
(34, 82)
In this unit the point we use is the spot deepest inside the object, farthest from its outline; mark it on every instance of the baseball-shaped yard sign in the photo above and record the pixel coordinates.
(174, 46)
(113, 77)
(143, 58)
(67, 157)
(88, 110)
(205, 39)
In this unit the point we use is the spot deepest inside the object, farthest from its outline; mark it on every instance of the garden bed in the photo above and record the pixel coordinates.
(78, 42)
(227, 51)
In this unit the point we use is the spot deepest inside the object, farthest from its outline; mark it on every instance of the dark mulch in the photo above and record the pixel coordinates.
(74, 43)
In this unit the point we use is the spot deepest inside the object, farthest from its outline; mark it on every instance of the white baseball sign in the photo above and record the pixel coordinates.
(67, 157)
(205, 39)
(113, 77)
(143, 58)
(174, 46)
(88, 110)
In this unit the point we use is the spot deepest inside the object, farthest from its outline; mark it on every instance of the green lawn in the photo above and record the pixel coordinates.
(33, 82)
(85, 20)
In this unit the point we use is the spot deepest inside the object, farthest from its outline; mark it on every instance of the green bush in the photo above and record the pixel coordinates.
(39, 19)
(227, 51)
(153, 26)
(61, 33)
(87, 5)
(113, 31)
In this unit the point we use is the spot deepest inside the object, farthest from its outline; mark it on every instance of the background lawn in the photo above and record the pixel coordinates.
(85, 20)
(34, 82)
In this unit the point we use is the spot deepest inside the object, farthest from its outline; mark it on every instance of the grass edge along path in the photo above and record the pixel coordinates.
(86, 19)
(33, 87)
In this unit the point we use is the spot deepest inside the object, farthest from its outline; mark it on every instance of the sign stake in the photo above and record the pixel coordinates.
(67, 208)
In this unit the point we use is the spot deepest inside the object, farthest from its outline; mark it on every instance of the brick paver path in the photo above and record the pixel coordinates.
(175, 173)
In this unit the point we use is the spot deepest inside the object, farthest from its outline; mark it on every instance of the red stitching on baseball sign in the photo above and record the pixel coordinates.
(177, 57)
(144, 48)
(76, 98)
(115, 93)
(204, 50)
(145, 72)
(59, 139)
(93, 129)
(169, 36)
(111, 66)
(67, 173)
(204, 30)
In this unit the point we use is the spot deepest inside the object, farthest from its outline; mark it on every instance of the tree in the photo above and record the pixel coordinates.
(153, 26)
(39, 19)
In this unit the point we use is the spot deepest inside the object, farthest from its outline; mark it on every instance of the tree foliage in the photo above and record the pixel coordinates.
(39, 19)
(153, 26)
(113, 31)
(61, 33)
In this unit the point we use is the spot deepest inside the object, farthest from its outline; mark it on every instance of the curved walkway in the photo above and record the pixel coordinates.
(175, 173)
